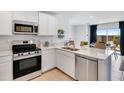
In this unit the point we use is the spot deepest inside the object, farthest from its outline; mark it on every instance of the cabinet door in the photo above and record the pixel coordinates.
(30, 16)
(5, 23)
(69, 66)
(48, 60)
(6, 68)
(59, 62)
(52, 25)
(66, 62)
(43, 24)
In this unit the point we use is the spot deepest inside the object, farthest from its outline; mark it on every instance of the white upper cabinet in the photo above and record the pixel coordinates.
(43, 21)
(5, 23)
(30, 16)
(47, 24)
(52, 24)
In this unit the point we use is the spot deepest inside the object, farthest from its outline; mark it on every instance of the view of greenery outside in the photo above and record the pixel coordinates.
(110, 37)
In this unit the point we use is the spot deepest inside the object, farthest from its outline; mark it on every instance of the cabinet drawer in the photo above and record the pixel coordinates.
(48, 51)
(69, 54)
(5, 59)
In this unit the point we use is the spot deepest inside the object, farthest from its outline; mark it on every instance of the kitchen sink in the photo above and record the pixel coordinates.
(72, 49)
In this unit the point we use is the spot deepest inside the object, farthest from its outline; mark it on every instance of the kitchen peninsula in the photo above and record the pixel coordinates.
(103, 59)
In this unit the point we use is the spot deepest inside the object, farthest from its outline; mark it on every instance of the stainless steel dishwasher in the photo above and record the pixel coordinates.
(86, 69)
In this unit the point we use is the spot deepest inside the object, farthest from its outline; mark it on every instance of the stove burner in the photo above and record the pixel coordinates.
(20, 51)
(24, 48)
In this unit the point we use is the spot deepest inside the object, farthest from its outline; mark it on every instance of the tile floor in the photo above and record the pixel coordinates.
(116, 74)
(57, 75)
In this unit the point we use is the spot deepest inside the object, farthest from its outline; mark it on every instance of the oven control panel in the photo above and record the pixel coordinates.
(27, 53)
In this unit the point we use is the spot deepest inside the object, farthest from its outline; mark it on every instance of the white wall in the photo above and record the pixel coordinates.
(76, 32)
(63, 23)
(80, 33)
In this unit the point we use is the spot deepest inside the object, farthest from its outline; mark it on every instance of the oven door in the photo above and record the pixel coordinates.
(25, 66)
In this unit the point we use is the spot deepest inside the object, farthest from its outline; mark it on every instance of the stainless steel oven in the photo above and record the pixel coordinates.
(23, 27)
(25, 66)
(26, 60)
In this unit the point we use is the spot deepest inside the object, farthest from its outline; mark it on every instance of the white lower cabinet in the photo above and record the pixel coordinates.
(59, 61)
(48, 59)
(6, 68)
(66, 62)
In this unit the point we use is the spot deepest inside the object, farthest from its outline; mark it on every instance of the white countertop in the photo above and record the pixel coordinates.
(95, 53)
(46, 48)
(87, 51)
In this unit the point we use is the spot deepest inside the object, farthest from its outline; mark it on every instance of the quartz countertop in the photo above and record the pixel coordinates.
(101, 54)
(46, 48)
(87, 51)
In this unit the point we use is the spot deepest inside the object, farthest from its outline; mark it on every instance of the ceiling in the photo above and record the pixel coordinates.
(90, 17)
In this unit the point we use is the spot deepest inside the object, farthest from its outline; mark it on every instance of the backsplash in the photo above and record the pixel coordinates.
(5, 41)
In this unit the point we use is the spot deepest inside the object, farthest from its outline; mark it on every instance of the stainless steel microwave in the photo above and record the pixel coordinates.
(25, 28)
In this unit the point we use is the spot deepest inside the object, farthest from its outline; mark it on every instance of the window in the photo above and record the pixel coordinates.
(111, 37)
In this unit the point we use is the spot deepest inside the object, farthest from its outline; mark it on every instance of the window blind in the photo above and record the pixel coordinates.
(106, 26)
